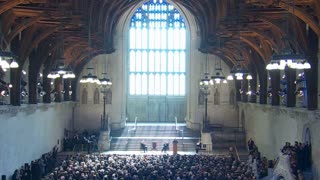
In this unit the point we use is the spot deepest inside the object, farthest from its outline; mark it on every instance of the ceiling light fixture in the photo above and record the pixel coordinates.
(287, 58)
(5, 57)
(61, 69)
(89, 78)
(218, 75)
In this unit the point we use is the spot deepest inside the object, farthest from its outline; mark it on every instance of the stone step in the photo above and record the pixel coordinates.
(154, 134)
(161, 131)
(227, 144)
(134, 144)
(223, 137)
(130, 137)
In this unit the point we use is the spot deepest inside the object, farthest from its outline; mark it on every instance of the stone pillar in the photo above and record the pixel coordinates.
(238, 87)
(32, 80)
(253, 88)
(244, 85)
(291, 87)
(318, 56)
(275, 87)
(312, 74)
(15, 93)
(74, 83)
(46, 86)
(263, 79)
(66, 88)
(58, 89)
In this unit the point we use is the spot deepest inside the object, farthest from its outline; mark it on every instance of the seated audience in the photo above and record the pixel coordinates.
(176, 167)
(86, 139)
(106, 166)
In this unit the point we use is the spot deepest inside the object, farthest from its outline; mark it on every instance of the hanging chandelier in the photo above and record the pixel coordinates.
(89, 78)
(205, 81)
(218, 75)
(287, 58)
(61, 70)
(4, 58)
(239, 71)
(105, 81)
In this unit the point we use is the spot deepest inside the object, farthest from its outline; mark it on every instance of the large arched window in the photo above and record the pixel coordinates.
(157, 51)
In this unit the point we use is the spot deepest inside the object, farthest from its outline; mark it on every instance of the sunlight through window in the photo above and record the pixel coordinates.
(157, 51)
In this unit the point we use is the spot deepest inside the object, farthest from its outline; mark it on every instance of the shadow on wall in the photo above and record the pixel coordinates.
(306, 136)
(242, 120)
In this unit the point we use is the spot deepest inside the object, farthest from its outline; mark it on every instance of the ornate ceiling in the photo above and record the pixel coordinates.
(252, 29)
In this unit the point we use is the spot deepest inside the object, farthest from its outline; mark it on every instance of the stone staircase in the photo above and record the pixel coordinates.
(225, 137)
(130, 137)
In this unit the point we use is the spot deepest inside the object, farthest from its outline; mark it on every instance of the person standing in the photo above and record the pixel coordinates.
(250, 144)
(143, 146)
(165, 147)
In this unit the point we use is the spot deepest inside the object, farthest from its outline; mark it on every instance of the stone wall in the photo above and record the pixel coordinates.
(270, 127)
(29, 131)
(115, 64)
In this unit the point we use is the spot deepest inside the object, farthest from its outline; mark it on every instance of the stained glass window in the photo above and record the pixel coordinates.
(157, 45)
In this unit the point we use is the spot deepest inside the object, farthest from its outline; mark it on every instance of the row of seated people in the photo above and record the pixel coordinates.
(89, 140)
(37, 168)
(300, 156)
(163, 167)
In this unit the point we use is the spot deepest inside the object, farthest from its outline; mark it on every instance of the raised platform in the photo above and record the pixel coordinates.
(154, 124)
(151, 152)
(130, 137)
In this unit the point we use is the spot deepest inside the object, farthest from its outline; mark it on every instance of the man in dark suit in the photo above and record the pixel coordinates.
(143, 146)
(165, 147)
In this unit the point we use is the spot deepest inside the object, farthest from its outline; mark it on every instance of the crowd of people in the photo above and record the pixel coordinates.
(300, 156)
(37, 168)
(163, 167)
(85, 139)
(259, 164)
(95, 166)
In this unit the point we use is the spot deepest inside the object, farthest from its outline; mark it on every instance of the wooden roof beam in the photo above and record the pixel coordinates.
(24, 25)
(301, 14)
(9, 4)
